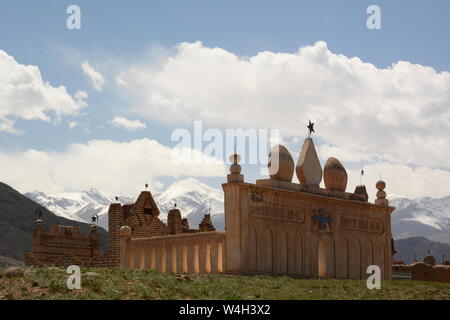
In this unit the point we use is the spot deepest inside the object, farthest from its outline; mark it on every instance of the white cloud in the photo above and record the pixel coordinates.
(129, 125)
(113, 167)
(73, 124)
(25, 95)
(402, 180)
(399, 114)
(80, 98)
(95, 77)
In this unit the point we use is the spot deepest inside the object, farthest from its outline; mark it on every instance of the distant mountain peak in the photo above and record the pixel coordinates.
(424, 216)
(193, 198)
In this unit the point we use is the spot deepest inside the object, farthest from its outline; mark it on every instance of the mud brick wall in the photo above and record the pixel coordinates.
(65, 245)
(425, 272)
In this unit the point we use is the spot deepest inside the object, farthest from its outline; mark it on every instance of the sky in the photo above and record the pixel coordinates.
(102, 106)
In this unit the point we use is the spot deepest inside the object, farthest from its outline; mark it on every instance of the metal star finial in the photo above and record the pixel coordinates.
(310, 127)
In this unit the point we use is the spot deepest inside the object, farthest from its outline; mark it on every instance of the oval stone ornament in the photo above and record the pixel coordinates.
(334, 175)
(281, 165)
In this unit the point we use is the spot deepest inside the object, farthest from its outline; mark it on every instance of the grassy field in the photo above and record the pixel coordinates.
(108, 283)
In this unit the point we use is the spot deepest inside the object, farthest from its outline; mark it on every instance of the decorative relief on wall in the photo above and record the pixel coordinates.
(257, 194)
(278, 212)
(322, 220)
(361, 224)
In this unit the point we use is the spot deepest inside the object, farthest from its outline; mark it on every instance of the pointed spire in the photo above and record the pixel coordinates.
(308, 169)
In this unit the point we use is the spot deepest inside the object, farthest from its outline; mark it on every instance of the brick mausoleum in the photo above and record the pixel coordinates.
(64, 245)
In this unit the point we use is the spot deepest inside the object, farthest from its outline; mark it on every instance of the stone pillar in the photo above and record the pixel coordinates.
(37, 233)
(94, 240)
(115, 221)
(191, 257)
(125, 238)
(429, 259)
(214, 266)
(174, 221)
(180, 254)
(236, 227)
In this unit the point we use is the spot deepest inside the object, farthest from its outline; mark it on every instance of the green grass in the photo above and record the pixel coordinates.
(50, 283)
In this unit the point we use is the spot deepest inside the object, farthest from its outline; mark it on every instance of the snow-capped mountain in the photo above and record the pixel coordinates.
(425, 217)
(193, 199)
(79, 206)
(421, 217)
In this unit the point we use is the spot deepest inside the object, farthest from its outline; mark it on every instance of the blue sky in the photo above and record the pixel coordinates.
(117, 35)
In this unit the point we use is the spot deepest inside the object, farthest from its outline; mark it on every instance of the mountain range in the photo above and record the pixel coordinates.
(419, 247)
(420, 217)
(413, 221)
(192, 197)
(17, 221)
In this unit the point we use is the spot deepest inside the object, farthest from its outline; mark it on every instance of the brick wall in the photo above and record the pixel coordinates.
(63, 245)
(425, 272)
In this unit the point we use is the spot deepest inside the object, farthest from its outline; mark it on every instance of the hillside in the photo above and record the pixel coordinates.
(9, 262)
(420, 245)
(109, 283)
(17, 220)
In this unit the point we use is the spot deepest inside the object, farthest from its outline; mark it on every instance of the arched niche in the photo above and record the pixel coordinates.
(325, 257)
(252, 249)
(355, 259)
(268, 237)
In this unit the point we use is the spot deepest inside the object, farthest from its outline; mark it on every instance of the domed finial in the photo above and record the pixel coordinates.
(235, 169)
(381, 194)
